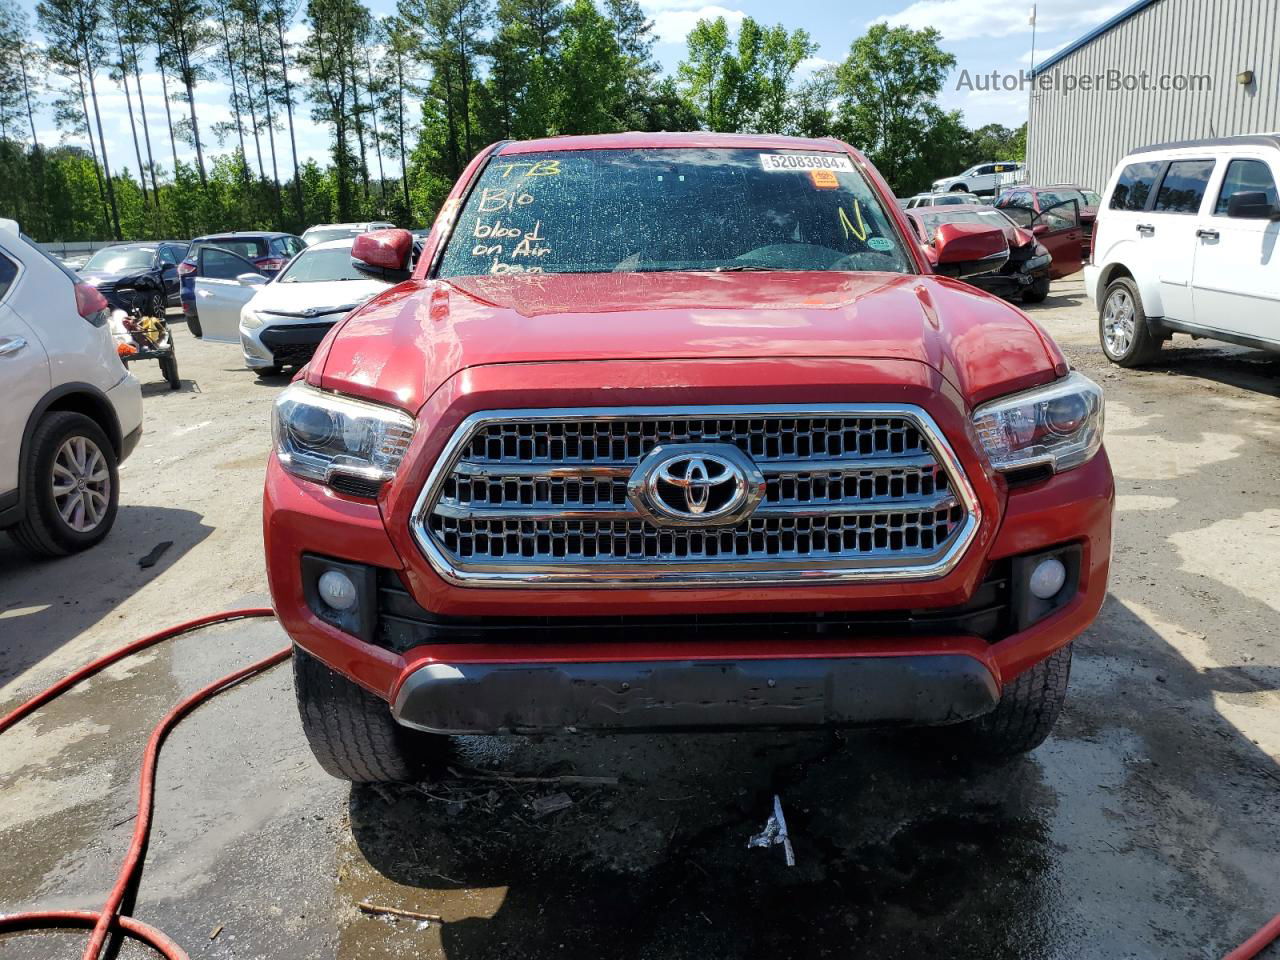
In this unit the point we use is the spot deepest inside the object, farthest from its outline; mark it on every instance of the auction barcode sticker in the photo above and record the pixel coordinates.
(789, 162)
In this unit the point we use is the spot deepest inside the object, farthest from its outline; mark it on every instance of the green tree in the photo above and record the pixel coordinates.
(184, 38)
(888, 88)
(589, 75)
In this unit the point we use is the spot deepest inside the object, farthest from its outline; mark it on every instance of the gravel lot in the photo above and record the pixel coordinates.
(1146, 827)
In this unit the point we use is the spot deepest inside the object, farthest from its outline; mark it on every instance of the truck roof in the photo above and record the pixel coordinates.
(637, 140)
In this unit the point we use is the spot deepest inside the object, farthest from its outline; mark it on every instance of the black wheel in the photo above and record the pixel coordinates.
(154, 305)
(1122, 326)
(169, 367)
(70, 486)
(352, 733)
(960, 188)
(1028, 709)
(272, 371)
(1038, 290)
(193, 324)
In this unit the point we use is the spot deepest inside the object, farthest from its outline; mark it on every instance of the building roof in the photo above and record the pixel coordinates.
(1093, 34)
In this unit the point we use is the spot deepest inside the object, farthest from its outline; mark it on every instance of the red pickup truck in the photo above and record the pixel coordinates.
(681, 432)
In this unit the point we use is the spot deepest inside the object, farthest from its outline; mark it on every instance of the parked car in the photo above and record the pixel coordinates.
(71, 412)
(941, 199)
(1058, 227)
(1187, 243)
(75, 262)
(266, 251)
(983, 178)
(339, 231)
(741, 460)
(142, 275)
(1037, 199)
(1030, 266)
(285, 320)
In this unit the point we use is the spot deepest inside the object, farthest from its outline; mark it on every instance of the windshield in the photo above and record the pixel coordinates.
(988, 218)
(115, 260)
(332, 233)
(251, 248)
(315, 266)
(643, 210)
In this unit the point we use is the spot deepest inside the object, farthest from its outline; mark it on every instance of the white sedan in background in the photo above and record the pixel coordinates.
(288, 317)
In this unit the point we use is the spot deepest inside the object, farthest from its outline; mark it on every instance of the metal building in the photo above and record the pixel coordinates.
(1160, 70)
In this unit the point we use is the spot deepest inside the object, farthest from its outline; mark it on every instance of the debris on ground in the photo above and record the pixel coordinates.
(213, 934)
(543, 806)
(567, 780)
(156, 553)
(775, 832)
(378, 909)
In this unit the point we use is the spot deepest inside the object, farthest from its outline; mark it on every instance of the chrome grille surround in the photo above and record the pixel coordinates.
(532, 498)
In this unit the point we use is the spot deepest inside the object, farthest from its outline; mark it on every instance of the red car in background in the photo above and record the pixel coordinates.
(1036, 256)
(1037, 200)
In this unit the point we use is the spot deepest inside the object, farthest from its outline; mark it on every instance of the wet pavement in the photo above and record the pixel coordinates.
(1147, 826)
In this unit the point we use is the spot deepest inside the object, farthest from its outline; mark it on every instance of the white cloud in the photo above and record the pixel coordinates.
(811, 65)
(671, 25)
(969, 19)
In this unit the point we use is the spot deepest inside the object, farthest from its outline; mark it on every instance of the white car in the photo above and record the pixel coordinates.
(71, 412)
(941, 199)
(337, 231)
(983, 178)
(1186, 241)
(287, 318)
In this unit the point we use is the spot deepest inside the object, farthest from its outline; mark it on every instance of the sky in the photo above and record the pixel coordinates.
(983, 35)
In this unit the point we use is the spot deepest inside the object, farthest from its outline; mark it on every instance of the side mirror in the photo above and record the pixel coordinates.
(251, 279)
(1250, 205)
(1040, 229)
(968, 249)
(383, 253)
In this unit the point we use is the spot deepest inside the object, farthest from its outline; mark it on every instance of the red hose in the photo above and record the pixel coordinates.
(103, 921)
(1258, 942)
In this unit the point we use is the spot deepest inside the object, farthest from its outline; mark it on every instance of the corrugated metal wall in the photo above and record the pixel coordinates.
(1079, 137)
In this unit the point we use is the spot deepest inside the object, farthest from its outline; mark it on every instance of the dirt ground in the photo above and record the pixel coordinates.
(1147, 826)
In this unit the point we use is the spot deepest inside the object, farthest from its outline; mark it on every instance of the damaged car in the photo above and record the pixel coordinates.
(141, 275)
(1031, 264)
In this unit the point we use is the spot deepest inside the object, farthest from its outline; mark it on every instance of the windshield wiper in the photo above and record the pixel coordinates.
(743, 268)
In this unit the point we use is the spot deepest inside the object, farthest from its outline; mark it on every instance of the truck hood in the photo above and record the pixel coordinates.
(402, 345)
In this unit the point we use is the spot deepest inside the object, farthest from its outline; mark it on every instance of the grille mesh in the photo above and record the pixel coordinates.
(848, 491)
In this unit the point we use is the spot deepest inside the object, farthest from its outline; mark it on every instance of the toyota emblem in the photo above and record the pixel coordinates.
(695, 484)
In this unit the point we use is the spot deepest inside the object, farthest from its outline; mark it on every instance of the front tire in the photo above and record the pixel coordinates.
(71, 487)
(352, 732)
(1122, 326)
(1028, 708)
(155, 306)
(960, 188)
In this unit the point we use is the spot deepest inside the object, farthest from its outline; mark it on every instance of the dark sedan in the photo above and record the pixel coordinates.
(142, 275)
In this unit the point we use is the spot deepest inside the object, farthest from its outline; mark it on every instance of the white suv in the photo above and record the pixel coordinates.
(1187, 240)
(983, 178)
(70, 412)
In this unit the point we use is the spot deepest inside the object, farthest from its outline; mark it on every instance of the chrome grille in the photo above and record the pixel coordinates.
(540, 498)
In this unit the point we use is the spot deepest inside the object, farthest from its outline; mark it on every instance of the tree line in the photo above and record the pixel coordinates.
(408, 99)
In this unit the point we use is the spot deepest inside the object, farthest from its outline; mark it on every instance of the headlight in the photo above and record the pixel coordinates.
(250, 319)
(1059, 425)
(318, 435)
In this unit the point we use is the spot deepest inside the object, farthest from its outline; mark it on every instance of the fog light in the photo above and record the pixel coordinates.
(1045, 581)
(337, 590)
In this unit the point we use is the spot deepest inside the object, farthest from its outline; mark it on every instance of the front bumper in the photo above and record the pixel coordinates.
(643, 696)
(1092, 274)
(286, 344)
